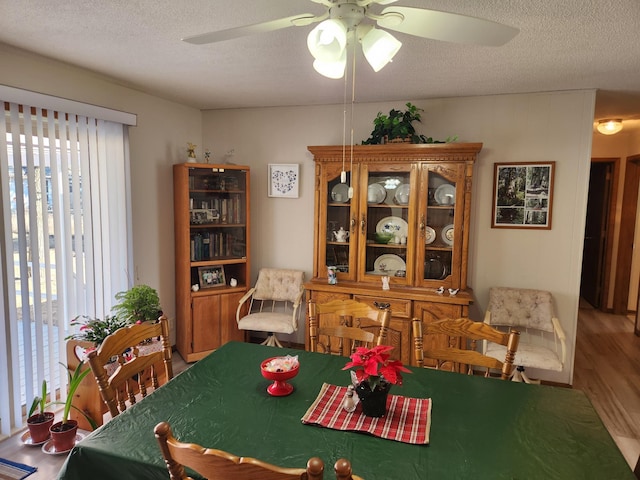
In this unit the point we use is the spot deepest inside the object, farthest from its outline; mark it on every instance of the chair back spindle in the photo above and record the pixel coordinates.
(462, 335)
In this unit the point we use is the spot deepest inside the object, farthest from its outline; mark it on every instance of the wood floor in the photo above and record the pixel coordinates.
(607, 368)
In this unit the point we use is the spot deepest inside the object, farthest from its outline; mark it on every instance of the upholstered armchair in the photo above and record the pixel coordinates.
(273, 304)
(542, 339)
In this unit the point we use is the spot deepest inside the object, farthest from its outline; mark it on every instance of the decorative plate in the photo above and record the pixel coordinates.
(389, 264)
(395, 225)
(429, 235)
(49, 449)
(445, 194)
(376, 193)
(447, 234)
(340, 193)
(402, 194)
(27, 440)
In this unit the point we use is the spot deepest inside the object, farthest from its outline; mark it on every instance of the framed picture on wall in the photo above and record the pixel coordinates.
(211, 276)
(522, 195)
(283, 180)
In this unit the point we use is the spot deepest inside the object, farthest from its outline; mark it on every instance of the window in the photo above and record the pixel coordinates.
(64, 229)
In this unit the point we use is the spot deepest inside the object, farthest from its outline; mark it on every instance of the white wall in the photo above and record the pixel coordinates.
(513, 128)
(156, 143)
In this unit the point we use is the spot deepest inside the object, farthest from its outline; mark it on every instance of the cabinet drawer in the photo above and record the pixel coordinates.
(399, 308)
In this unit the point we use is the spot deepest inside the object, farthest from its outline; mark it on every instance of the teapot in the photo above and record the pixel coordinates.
(341, 235)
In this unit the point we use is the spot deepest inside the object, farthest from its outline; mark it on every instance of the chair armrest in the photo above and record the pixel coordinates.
(298, 299)
(242, 301)
(560, 333)
(296, 306)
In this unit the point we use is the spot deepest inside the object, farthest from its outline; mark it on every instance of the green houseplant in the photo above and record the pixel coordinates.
(95, 330)
(398, 127)
(139, 303)
(39, 423)
(64, 433)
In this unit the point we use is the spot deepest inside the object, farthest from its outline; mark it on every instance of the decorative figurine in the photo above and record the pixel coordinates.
(385, 282)
(332, 276)
(191, 152)
(349, 403)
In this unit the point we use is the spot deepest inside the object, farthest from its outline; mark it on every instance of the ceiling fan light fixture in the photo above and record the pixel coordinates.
(609, 126)
(379, 48)
(334, 69)
(328, 40)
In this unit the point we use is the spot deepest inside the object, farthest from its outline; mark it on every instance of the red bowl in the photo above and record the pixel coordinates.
(279, 387)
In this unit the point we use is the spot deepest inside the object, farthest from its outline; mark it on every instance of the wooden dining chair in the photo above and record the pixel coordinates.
(461, 336)
(339, 321)
(136, 359)
(219, 465)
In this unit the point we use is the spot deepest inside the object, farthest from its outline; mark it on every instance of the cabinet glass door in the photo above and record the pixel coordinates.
(218, 225)
(440, 227)
(337, 234)
(386, 223)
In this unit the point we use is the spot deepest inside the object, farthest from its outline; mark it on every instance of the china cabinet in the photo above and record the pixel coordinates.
(211, 219)
(400, 211)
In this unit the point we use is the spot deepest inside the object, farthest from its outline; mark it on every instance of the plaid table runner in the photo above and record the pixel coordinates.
(408, 419)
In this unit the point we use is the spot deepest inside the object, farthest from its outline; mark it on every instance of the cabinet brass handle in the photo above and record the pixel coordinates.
(363, 224)
(422, 226)
(353, 224)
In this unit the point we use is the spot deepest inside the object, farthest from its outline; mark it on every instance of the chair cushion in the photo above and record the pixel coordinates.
(533, 356)
(521, 308)
(267, 322)
(278, 284)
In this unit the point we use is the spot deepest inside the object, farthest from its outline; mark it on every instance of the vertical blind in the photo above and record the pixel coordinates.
(64, 241)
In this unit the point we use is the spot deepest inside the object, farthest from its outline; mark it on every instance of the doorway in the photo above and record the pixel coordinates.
(599, 225)
(627, 233)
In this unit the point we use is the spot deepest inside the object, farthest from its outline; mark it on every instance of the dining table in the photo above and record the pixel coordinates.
(480, 428)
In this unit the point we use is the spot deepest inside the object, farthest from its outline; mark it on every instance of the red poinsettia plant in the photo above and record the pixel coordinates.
(375, 366)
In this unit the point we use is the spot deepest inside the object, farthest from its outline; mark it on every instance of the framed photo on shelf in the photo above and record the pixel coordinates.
(283, 180)
(522, 195)
(211, 276)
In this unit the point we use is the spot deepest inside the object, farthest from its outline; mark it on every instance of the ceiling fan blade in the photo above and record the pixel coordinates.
(222, 35)
(365, 3)
(445, 26)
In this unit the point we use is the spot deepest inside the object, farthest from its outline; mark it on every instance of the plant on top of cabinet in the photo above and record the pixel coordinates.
(397, 127)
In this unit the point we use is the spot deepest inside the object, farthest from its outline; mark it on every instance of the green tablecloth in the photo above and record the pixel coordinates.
(481, 428)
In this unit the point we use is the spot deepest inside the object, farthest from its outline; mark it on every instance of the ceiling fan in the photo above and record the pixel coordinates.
(343, 21)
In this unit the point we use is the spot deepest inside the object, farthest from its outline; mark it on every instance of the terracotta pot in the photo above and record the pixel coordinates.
(64, 435)
(38, 429)
(374, 403)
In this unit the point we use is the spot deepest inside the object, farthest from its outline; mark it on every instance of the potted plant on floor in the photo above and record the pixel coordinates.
(64, 433)
(39, 423)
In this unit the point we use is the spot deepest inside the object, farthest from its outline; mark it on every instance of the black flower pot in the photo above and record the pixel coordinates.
(374, 402)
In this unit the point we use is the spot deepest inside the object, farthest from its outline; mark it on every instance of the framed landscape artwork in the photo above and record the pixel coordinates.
(522, 195)
(283, 180)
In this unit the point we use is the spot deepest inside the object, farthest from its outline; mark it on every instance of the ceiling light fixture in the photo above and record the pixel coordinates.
(379, 47)
(327, 42)
(609, 126)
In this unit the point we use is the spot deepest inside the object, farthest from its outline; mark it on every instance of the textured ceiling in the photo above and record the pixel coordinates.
(562, 45)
